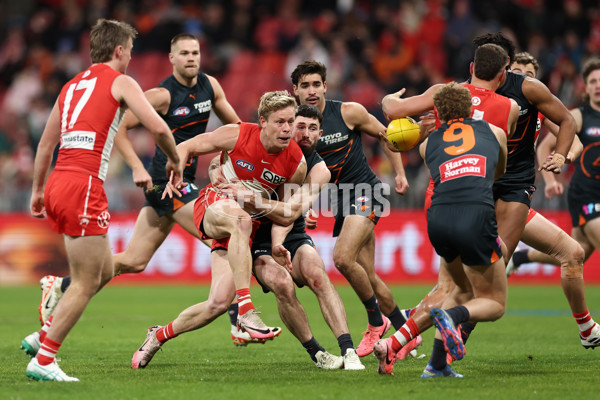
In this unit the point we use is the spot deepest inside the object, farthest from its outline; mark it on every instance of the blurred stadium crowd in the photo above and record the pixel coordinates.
(371, 47)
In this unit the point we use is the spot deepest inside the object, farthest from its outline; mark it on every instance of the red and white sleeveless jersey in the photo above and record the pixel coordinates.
(488, 106)
(89, 119)
(258, 170)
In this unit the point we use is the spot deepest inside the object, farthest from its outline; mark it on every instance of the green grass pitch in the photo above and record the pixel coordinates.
(533, 352)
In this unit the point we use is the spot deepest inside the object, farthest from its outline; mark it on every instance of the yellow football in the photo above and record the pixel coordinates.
(404, 133)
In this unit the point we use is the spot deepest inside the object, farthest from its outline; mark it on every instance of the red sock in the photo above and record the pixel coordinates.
(44, 331)
(165, 333)
(47, 351)
(405, 334)
(244, 301)
(585, 323)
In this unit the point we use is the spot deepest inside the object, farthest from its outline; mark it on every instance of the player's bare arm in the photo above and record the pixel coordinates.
(126, 90)
(316, 180)
(502, 153)
(43, 159)
(539, 95)
(221, 106)
(356, 116)
(394, 106)
(223, 138)
(141, 177)
(513, 117)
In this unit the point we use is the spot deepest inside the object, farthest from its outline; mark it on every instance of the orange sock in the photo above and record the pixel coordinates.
(47, 351)
(244, 301)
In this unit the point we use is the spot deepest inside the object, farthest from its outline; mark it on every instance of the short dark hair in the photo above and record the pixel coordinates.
(452, 101)
(499, 39)
(306, 68)
(490, 60)
(589, 67)
(106, 35)
(310, 111)
(525, 58)
(182, 36)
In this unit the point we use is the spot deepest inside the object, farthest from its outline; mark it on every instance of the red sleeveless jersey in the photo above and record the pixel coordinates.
(89, 119)
(257, 169)
(488, 106)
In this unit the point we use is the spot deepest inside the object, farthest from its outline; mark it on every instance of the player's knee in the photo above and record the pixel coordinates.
(571, 271)
(576, 254)
(342, 260)
(499, 312)
(282, 286)
(317, 279)
(245, 226)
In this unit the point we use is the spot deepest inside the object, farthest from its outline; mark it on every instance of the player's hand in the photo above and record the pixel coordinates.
(175, 173)
(142, 178)
(282, 256)
(37, 205)
(427, 124)
(401, 184)
(554, 163)
(217, 178)
(171, 189)
(384, 142)
(310, 219)
(236, 191)
(553, 189)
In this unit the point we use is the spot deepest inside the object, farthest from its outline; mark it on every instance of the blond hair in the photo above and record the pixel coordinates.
(275, 101)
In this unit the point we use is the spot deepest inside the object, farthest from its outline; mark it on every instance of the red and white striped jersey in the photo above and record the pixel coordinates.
(89, 119)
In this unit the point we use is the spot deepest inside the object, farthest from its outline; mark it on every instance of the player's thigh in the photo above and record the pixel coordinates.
(149, 233)
(271, 274)
(592, 232)
(88, 256)
(184, 216)
(224, 217)
(511, 217)
(543, 235)
(454, 275)
(354, 234)
(308, 265)
(488, 281)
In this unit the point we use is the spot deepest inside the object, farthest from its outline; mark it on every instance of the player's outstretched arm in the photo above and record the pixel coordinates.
(357, 117)
(502, 153)
(549, 105)
(127, 90)
(141, 177)
(43, 159)
(395, 106)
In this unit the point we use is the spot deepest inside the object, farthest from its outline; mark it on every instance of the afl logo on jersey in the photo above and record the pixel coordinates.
(181, 111)
(475, 100)
(243, 164)
(594, 131)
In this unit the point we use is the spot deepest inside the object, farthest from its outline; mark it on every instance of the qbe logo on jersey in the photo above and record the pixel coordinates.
(272, 177)
(471, 165)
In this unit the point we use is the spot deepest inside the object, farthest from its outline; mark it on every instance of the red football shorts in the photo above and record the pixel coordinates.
(76, 204)
(530, 215)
